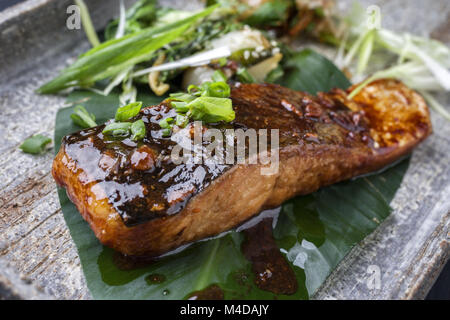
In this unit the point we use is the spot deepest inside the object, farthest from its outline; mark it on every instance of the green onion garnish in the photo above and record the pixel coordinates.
(211, 109)
(35, 145)
(166, 132)
(138, 130)
(129, 111)
(216, 89)
(165, 123)
(181, 120)
(180, 106)
(219, 76)
(118, 129)
(208, 102)
(181, 96)
(83, 118)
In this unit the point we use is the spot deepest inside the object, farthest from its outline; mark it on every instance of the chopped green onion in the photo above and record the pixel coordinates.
(180, 96)
(219, 76)
(244, 76)
(166, 132)
(117, 129)
(138, 130)
(83, 118)
(212, 109)
(165, 123)
(35, 145)
(216, 89)
(194, 90)
(208, 102)
(181, 121)
(128, 111)
(180, 106)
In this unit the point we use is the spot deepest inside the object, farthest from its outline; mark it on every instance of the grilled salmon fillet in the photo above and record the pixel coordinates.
(139, 202)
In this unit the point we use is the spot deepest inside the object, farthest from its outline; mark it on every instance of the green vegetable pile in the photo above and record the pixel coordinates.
(208, 102)
(122, 128)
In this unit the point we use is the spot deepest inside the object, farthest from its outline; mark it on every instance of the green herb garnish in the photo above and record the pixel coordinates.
(166, 123)
(35, 145)
(211, 109)
(216, 89)
(118, 129)
(181, 121)
(219, 76)
(137, 130)
(166, 132)
(244, 76)
(81, 117)
(129, 111)
(180, 106)
(208, 102)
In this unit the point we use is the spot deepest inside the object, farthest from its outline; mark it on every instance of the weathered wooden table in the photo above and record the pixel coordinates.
(37, 256)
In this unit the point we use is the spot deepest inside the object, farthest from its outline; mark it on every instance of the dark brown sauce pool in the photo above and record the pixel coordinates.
(213, 292)
(127, 263)
(272, 272)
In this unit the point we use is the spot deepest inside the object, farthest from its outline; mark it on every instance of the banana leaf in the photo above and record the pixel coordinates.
(315, 232)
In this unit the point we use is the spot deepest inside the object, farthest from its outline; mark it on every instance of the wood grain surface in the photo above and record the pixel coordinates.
(37, 256)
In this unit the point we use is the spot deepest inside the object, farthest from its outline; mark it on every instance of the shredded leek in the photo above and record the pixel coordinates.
(422, 63)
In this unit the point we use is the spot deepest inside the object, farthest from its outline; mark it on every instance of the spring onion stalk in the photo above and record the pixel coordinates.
(114, 56)
(366, 51)
(122, 21)
(423, 64)
(87, 23)
(354, 49)
(435, 56)
(340, 55)
(414, 74)
(194, 60)
(82, 118)
(129, 92)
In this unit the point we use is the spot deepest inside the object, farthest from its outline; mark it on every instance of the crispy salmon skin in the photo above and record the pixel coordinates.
(139, 202)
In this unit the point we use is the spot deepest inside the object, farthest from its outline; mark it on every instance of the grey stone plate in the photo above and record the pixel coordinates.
(37, 256)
